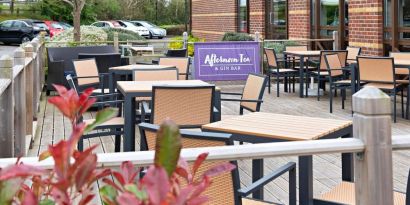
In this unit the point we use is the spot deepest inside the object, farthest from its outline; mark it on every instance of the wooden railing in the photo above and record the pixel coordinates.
(21, 83)
(372, 144)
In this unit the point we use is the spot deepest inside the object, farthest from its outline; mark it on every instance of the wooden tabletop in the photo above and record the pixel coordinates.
(404, 63)
(146, 86)
(141, 67)
(302, 53)
(279, 126)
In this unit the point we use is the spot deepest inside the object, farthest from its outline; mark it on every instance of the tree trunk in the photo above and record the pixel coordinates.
(77, 25)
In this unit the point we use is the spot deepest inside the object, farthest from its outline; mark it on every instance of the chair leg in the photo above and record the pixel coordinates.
(269, 83)
(343, 92)
(335, 92)
(117, 146)
(407, 102)
(277, 85)
(285, 84)
(80, 145)
(395, 106)
(307, 85)
(241, 111)
(318, 89)
(402, 103)
(331, 99)
(294, 84)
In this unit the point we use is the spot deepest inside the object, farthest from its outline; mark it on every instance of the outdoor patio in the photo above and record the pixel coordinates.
(52, 127)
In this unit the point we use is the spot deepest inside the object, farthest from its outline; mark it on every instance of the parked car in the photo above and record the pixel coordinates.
(154, 31)
(107, 24)
(141, 30)
(65, 25)
(54, 27)
(20, 31)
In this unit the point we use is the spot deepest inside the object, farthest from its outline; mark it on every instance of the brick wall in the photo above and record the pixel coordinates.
(212, 18)
(366, 26)
(257, 16)
(299, 19)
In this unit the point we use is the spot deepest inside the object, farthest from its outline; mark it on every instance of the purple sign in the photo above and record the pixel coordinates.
(226, 60)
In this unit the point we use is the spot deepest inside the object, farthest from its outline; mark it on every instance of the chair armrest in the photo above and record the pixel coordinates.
(224, 93)
(243, 100)
(111, 103)
(289, 167)
(105, 95)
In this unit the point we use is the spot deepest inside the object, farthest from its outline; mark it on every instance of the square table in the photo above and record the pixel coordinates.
(302, 55)
(259, 127)
(128, 70)
(132, 89)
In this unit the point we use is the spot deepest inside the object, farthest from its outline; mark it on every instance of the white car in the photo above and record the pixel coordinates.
(142, 31)
(154, 31)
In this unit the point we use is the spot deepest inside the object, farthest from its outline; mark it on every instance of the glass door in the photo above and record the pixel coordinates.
(404, 25)
(277, 19)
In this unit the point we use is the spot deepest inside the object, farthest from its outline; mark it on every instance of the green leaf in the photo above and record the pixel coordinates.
(168, 146)
(132, 188)
(47, 202)
(101, 117)
(9, 189)
(108, 192)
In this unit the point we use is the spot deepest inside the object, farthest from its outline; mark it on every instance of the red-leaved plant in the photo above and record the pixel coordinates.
(72, 179)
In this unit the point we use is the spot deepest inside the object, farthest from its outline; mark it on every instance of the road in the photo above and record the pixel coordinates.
(7, 50)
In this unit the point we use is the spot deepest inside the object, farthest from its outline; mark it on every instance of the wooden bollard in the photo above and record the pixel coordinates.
(20, 111)
(6, 67)
(19, 56)
(29, 50)
(7, 109)
(373, 167)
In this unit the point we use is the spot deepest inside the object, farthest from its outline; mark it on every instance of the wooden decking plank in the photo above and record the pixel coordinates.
(327, 168)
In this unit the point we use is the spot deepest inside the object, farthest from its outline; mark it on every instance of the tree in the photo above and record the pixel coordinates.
(78, 6)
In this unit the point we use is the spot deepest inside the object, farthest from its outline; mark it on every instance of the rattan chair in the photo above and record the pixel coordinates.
(336, 78)
(352, 53)
(87, 75)
(344, 194)
(225, 188)
(380, 72)
(181, 63)
(187, 106)
(114, 126)
(403, 74)
(322, 74)
(252, 94)
(276, 71)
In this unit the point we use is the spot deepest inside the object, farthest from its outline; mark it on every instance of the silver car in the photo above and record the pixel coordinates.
(154, 31)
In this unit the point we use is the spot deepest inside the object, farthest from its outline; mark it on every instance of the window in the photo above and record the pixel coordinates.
(329, 16)
(6, 24)
(243, 15)
(19, 24)
(404, 19)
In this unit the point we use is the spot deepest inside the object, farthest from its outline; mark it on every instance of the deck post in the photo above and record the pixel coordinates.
(335, 37)
(116, 42)
(185, 39)
(36, 76)
(20, 120)
(373, 167)
(7, 109)
(29, 91)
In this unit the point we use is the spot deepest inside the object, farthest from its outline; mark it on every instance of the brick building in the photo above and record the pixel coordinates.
(378, 26)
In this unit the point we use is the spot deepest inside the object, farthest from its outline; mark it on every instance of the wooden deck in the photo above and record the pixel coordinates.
(52, 127)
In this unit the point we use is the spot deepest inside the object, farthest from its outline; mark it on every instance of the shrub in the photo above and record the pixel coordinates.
(123, 35)
(232, 36)
(88, 34)
(180, 44)
(174, 30)
(279, 47)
